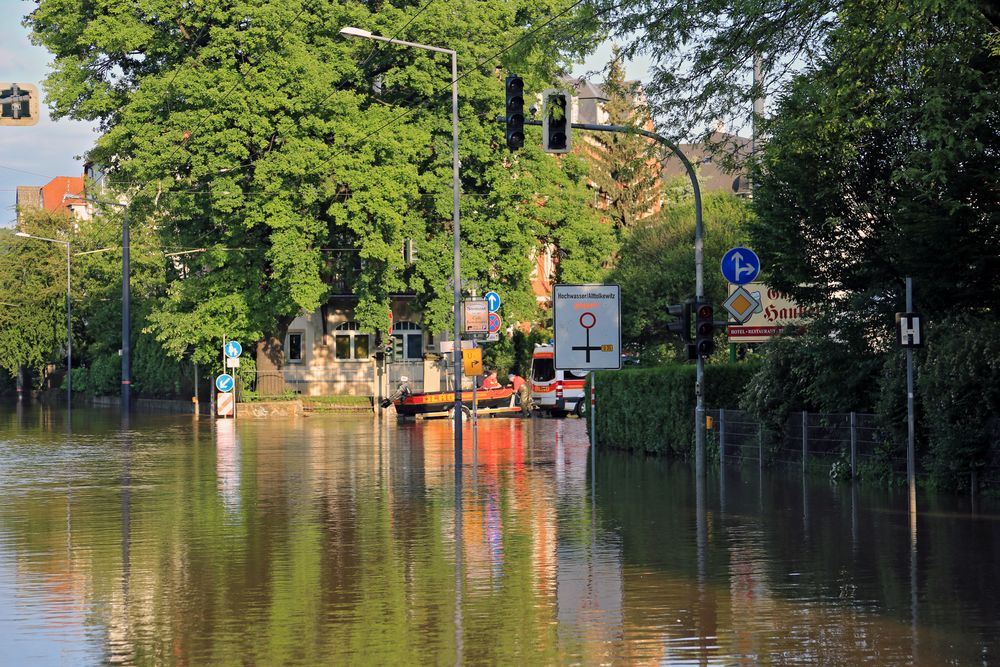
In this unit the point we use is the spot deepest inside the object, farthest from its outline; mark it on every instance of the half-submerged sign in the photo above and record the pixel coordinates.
(587, 323)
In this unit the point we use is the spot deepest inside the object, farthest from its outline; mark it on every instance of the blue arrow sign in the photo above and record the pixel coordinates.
(224, 382)
(740, 266)
(494, 323)
(233, 349)
(493, 301)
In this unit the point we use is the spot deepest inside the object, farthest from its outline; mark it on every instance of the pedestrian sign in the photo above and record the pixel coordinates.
(233, 349)
(493, 301)
(225, 382)
(740, 266)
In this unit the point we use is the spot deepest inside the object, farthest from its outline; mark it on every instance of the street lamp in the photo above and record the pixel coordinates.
(456, 187)
(126, 300)
(69, 313)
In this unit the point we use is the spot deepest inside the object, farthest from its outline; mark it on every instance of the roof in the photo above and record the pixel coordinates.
(711, 175)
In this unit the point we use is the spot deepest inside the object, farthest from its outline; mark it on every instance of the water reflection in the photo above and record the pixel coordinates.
(329, 540)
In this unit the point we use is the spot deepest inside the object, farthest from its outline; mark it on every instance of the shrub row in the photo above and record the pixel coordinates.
(650, 409)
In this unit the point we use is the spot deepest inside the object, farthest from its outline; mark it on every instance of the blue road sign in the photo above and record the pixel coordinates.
(233, 349)
(225, 382)
(493, 301)
(494, 323)
(740, 266)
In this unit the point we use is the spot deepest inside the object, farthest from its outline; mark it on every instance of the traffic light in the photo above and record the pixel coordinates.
(683, 326)
(515, 112)
(390, 348)
(555, 121)
(704, 342)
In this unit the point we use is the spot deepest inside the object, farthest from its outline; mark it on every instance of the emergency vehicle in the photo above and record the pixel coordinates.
(554, 391)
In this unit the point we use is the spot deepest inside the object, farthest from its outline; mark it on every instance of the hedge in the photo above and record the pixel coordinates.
(651, 410)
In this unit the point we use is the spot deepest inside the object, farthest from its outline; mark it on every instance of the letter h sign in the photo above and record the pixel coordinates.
(909, 330)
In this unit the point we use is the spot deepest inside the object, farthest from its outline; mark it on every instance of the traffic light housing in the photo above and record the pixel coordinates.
(682, 327)
(515, 112)
(704, 342)
(390, 348)
(556, 121)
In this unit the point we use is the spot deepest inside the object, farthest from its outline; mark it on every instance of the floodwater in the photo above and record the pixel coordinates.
(340, 540)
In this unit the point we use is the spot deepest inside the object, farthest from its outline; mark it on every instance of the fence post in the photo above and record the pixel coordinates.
(854, 446)
(722, 436)
(805, 439)
(760, 445)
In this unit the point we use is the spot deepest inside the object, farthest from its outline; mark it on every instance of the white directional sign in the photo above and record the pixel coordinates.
(225, 382)
(233, 349)
(587, 323)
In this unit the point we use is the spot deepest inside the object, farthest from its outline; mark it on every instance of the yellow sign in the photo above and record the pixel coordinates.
(472, 361)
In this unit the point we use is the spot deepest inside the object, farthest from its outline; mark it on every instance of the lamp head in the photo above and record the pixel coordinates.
(349, 31)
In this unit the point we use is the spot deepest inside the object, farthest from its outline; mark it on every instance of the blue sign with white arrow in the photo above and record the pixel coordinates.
(225, 382)
(740, 266)
(493, 301)
(233, 349)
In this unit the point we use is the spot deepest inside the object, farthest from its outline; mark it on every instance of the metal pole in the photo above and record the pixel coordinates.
(457, 262)
(593, 422)
(126, 319)
(69, 330)
(854, 446)
(911, 469)
(805, 439)
(722, 437)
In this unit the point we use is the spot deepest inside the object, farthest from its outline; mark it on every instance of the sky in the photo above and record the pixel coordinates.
(35, 154)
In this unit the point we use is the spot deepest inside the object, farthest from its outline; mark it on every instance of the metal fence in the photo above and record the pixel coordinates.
(819, 442)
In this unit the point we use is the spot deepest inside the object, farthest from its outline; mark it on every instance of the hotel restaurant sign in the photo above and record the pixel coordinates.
(775, 312)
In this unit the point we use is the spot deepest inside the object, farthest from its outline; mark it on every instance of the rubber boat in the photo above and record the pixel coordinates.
(441, 401)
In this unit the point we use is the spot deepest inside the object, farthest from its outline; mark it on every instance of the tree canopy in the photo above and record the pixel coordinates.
(299, 158)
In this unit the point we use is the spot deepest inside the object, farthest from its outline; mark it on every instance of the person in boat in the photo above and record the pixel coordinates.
(491, 381)
(523, 391)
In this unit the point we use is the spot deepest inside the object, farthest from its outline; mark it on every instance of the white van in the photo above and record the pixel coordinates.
(557, 392)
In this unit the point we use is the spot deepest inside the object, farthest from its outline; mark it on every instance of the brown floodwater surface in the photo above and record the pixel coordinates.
(330, 540)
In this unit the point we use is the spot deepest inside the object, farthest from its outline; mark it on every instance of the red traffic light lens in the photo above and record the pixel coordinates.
(705, 312)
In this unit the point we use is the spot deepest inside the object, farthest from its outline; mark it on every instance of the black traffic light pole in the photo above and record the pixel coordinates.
(699, 284)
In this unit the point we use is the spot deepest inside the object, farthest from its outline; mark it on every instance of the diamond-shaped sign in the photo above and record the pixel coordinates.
(741, 304)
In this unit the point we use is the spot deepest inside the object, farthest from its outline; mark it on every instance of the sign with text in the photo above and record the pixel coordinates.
(587, 323)
(472, 362)
(477, 316)
(774, 312)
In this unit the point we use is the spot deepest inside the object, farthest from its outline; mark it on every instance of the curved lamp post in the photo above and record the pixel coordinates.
(456, 188)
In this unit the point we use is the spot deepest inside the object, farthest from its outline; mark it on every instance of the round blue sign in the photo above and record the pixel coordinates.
(493, 301)
(494, 323)
(225, 382)
(740, 266)
(233, 349)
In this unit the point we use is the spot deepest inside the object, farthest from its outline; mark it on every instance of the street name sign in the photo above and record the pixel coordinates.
(587, 324)
(740, 266)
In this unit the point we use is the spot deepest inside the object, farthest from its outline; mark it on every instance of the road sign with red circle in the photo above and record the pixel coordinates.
(494, 323)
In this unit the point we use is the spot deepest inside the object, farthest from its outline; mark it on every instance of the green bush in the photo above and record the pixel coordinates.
(958, 385)
(651, 410)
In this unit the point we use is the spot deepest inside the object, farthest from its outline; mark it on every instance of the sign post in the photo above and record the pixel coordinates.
(588, 336)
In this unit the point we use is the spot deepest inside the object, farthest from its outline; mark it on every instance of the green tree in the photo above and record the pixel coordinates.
(628, 184)
(256, 130)
(33, 294)
(656, 264)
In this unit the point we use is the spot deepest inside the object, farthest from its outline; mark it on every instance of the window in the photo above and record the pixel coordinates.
(542, 369)
(409, 340)
(295, 346)
(349, 342)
